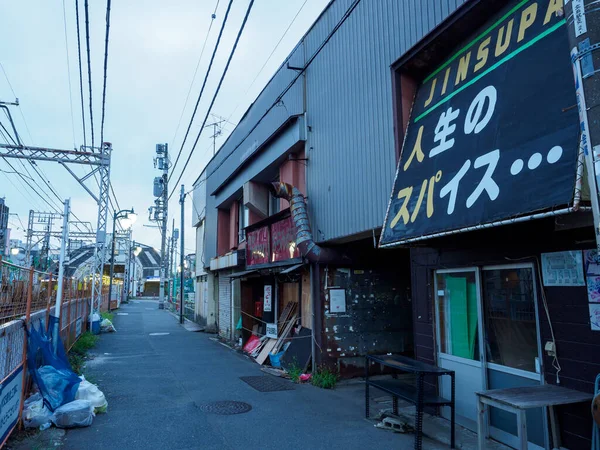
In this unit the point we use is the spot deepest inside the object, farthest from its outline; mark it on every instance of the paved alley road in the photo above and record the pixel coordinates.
(155, 385)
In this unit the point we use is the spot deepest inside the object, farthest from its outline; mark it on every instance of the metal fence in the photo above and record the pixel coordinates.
(27, 298)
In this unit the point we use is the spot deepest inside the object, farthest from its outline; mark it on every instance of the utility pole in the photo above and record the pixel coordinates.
(173, 259)
(182, 272)
(583, 22)
(160, 212)
(61, 271)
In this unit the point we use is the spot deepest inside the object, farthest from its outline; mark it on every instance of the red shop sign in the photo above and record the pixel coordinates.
(283, 239)
(257, 246)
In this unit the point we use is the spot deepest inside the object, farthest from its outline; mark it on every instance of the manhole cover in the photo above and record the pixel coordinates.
(267, 384)
(226, 408)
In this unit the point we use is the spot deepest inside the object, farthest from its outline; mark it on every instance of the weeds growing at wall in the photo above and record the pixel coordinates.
(78, 353)
(294, 372)
(324, 378)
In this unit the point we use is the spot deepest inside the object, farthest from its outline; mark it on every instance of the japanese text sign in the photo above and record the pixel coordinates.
(283, 240)
(258, 246)
(493, 132)
(268, 302)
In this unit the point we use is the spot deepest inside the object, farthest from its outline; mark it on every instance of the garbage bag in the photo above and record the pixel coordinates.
(89, 391)
(78, 413)
(106, 326)
(51, 372)
(35, 413)
(59, 385)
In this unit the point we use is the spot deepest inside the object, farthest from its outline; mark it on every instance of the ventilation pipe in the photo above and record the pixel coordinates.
(304, 238)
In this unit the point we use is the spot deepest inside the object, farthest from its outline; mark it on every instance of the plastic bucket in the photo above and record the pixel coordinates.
(276, 359)
(95, 323)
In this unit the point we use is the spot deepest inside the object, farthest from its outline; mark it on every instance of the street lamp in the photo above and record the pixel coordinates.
(128, 217)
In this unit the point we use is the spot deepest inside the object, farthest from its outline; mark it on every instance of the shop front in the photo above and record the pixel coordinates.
(274, 277)
(488, 197)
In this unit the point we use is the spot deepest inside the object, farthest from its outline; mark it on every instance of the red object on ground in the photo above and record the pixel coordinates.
(251, 344)
(305, 376)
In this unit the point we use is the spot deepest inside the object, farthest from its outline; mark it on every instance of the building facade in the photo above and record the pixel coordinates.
(295, 206)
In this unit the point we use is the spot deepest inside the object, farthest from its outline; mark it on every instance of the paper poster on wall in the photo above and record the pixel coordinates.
(563, 268)
(595, 316)
(268, 299)
(337, 300)
(271, 330)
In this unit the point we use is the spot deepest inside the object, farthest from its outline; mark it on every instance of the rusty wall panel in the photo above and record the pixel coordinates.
(378, 317)
(306, 306)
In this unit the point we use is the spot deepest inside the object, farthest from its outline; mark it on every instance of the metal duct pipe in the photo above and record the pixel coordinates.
(304, 238)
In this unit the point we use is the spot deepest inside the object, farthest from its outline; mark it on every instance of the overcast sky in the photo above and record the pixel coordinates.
(153, 52)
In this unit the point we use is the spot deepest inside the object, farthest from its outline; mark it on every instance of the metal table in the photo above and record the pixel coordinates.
(519, 400)
(413, 394)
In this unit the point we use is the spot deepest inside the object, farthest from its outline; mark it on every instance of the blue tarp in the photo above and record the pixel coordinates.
(51, 373)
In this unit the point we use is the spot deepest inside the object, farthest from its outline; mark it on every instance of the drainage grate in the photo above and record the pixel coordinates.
(226, 408)
(267, 384)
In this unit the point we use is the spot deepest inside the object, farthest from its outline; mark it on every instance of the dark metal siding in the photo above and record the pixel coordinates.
(349, 109)
(577, 346)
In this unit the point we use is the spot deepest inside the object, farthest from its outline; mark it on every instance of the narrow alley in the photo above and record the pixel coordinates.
(157, 376)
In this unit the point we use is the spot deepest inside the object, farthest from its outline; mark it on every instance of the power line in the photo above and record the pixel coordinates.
(237, 39)
(212, 20)
(105, 70)
(212, 58)
(69, 72)
(89, 63)
(80, 71)
(15, 95)
(27, 171)
(7, 79)
(279, 98)
(270, 56)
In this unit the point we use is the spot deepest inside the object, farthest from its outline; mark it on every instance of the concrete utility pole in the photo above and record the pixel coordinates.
(583, 22)
(61, 270)
(160, 212)
(182, 272)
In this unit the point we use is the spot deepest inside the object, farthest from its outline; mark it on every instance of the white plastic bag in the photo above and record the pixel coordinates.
(35, 413)
(106, 326)
(78, 413)
(90, 392)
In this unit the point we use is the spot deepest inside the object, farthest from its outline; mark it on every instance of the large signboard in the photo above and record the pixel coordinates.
(258, 246)
(10, 400)
(283, 240)
(493, 132)
(272, 243)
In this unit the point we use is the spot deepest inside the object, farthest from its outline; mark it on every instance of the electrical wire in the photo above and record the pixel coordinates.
(279, 98)
(105, 71)
(15, 95)
(237, 40)
(269, 58)
(212, 58)
(212, 20)
(80, 71)
(69, 71)
(89, 64)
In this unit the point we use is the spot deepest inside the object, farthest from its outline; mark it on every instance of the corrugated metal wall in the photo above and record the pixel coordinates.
(349, 109)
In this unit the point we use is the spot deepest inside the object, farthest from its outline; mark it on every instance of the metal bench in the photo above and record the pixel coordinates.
(414, 394)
